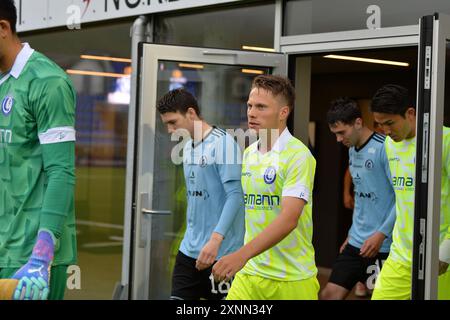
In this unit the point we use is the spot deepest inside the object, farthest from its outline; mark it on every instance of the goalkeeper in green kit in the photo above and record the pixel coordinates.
(37, 165)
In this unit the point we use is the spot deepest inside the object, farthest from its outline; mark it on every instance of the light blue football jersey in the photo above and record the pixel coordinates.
(374, 195)
(208, 165)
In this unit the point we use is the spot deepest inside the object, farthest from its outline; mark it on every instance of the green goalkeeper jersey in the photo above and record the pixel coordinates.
(401, 156)
(37, 108)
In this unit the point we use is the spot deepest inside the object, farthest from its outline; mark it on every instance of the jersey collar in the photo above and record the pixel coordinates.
(196, 143)
(21, 60)
(365, 143)
(282, 140)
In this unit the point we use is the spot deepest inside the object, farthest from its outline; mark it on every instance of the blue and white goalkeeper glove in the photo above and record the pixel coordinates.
(34, 277)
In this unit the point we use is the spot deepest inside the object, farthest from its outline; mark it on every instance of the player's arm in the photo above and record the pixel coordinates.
(59, 166)
(388, 225)
(372, 245)
(444, 248)
(349, 201)
(52, 103)
(444, 253)
(228, 166)
(296, 193)
(286, 221)
(54, 110)
(233, 206)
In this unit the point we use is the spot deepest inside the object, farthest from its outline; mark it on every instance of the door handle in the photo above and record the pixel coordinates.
(156, 212)
(146, 224)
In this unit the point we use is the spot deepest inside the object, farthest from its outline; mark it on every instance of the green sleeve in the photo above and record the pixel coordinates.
(53, 104)
(59, 166)
(52, 101)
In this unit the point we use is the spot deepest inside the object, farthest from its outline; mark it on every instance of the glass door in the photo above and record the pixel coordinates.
(221, 81)
(430, 275)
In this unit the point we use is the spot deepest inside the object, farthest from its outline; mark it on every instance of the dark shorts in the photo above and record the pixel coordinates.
(350, 268)
(190, 284)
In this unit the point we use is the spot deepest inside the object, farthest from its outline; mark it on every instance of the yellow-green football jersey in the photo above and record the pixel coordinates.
(285, 171)
(401, 156)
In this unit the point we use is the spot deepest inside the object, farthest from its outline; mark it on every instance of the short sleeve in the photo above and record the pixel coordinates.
(228, 159)
(446, 152)
(52, 103)
(385, 162)
(300, 176)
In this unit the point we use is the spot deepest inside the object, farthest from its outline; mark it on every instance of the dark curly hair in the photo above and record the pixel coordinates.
(178, 100)
(343, 110)
(392, 99)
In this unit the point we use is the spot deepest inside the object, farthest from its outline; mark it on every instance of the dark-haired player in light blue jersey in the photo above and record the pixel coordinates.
(370, 235)
(215, 203)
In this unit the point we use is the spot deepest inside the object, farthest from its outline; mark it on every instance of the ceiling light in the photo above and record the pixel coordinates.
(394, 63)
(252, 71)
(258, 49)
(190, 65)
(102, 58)
(96, 73)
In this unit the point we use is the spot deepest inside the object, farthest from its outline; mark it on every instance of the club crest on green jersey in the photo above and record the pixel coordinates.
(270, 175)
(7, 105)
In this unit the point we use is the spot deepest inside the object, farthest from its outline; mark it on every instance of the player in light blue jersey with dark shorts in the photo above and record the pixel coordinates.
(370, 236)
(215, 201)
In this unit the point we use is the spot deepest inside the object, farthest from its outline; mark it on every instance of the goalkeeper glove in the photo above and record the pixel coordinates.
(34, 277)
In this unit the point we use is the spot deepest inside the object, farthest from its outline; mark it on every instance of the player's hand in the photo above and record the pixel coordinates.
(34, 276)
(209, 252)
(442, 267)
(228, 266)
(343, 245)
(349, 201)
(372, 245)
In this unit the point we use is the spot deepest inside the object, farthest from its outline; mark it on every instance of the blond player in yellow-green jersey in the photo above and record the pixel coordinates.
(277, 260)
(396, 114)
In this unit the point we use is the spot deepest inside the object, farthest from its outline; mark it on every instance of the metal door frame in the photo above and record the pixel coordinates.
(430, 113)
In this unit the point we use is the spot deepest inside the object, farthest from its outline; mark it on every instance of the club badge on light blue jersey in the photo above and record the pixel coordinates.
(7, 105)
(203, 161)
(369, 164)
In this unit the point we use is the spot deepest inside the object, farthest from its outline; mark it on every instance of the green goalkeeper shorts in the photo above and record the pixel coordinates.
(248, 287)
(58, 279)
(394, 283)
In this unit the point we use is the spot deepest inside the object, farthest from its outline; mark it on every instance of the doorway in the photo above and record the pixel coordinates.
(334, 76)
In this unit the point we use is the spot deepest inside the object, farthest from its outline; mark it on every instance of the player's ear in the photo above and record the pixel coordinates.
(410, 113)
(191, 114)
(284, 112)
(358, 123)
(5, 29)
